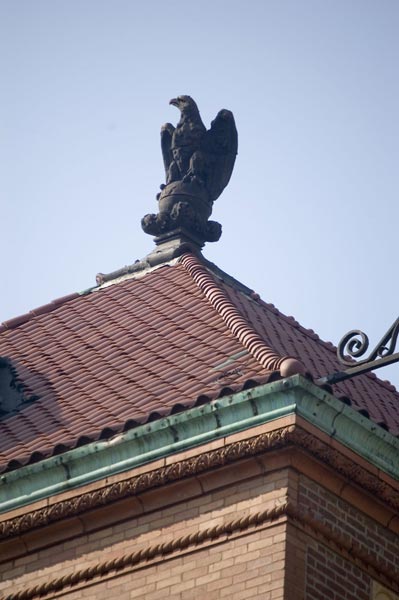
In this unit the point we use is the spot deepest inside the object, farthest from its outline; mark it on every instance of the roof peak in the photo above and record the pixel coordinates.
(169, 247)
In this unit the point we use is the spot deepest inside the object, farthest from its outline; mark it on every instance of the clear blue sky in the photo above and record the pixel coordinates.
(310, 217)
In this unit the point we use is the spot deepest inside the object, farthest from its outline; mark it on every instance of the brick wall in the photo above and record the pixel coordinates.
(339, 551)
(293, 559)
(245, 564)
(251, 566)
(328, 575)
(368, 536)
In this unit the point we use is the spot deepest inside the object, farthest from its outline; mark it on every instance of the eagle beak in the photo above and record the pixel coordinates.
(174, 101)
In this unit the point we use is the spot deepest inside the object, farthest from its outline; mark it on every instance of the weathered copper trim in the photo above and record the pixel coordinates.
(149, 553)
(135, 485)
(266, 356)
(196, 465)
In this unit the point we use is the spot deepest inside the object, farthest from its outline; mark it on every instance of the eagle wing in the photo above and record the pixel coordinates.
(220, 149)
(166, 145)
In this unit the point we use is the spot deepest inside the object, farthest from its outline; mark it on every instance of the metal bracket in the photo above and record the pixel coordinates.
(355, 344)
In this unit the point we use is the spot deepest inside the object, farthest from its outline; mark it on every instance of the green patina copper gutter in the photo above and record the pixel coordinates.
(199, 425)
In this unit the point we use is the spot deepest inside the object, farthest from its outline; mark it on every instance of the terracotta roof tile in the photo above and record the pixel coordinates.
(380, 399)
(141, 348)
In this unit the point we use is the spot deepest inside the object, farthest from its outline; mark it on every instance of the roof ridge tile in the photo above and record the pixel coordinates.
(40, 310)
(235, 321)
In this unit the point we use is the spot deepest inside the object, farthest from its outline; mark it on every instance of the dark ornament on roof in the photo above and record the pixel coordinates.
(354, 345)
(12, 393)
(198, 166)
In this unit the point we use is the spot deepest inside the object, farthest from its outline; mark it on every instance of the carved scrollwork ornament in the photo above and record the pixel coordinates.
(196, 465)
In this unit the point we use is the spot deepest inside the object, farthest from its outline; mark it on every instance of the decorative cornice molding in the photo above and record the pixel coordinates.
(347, 467)
(346, 546)
(199, 464)
(199, 425)
(130, 487)
(149, 553)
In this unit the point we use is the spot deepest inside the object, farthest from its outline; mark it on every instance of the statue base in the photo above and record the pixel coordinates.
(173, 244)
(184, 206)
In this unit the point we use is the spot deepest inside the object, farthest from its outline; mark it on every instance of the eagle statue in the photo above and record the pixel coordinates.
(198, 166)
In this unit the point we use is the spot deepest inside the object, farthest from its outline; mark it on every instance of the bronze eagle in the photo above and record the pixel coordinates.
(191, 153)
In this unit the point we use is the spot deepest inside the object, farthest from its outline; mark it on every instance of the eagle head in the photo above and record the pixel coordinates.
(184, 104)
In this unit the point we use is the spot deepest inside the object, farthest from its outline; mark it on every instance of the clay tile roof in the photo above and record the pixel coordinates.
(143, 347)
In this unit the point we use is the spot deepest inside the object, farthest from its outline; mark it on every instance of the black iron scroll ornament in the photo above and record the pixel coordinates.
(354, 346)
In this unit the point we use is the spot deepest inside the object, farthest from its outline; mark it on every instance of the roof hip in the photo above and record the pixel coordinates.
(244, 332)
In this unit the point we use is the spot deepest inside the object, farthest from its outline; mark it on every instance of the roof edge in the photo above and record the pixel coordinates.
(40, 310)
(194, 427)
